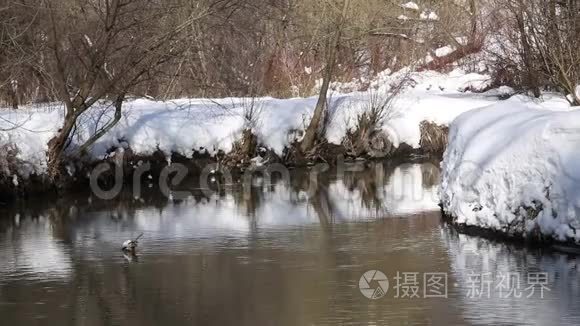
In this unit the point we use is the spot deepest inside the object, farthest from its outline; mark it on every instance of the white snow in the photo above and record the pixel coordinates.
(429, 15)
(88, 40)
(515, 155)
(403, 18)
(440, 52)
(410, 5)
(184, 126)
(443, 51)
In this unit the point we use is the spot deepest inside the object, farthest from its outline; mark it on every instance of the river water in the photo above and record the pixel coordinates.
(274, 254)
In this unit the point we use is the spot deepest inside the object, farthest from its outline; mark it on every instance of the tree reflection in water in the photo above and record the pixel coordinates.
(285, 254)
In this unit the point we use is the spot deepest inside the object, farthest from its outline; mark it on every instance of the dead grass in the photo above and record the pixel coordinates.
(433, 138)
(367, 137)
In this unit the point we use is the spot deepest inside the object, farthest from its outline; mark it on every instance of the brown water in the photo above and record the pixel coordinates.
(273, 256)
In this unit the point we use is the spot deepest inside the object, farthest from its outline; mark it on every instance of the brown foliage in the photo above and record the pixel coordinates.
(433, 138)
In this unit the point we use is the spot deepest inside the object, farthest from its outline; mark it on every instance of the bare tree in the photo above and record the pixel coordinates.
(280, 44)
(103, 50)
(14, 22)
(331, 48)
(540, 45)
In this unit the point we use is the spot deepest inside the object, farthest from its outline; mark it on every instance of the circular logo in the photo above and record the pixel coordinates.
(373, 284)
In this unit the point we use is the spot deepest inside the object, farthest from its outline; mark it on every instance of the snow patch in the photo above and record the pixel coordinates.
(512, 167)
(443, 51)
(429, 15)
(410, 5)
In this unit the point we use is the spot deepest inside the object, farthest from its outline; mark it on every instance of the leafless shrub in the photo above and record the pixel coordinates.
(245, 148)
(368, 126)
(253, 108)
(367, 137)
(539, 45)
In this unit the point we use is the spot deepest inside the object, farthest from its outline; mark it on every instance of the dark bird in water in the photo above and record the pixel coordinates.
(131, 245)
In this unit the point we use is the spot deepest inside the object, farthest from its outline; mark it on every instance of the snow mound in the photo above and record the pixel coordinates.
(512, 167)
(410, 5)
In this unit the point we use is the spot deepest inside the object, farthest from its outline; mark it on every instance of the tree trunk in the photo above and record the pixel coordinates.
(14, 98)
(474, 14)
(312, 131)
(527, 53)
(57, 145)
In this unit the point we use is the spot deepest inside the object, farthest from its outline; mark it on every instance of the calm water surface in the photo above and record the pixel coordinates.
(275, 255)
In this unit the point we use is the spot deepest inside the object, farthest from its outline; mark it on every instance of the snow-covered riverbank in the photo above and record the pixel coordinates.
(513, 168)
(509, 166)
(189, 126)
(184, 126)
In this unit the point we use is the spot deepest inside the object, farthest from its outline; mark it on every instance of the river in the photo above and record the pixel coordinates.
(274, 254)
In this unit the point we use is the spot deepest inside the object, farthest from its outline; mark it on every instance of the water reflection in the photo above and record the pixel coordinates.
(473, 257)
(36, 253)
(281, 254)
